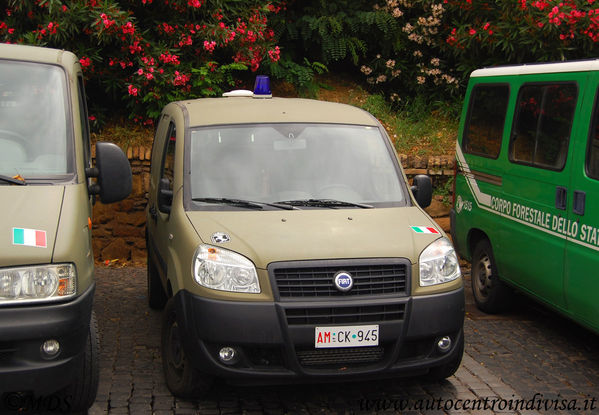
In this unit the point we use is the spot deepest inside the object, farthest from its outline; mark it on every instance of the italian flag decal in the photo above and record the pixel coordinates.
(29, 237)
(424, 229)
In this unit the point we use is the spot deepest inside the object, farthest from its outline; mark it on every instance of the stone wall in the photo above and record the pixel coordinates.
(119, 228)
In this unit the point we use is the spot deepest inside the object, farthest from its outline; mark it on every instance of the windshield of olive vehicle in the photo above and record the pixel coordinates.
(282, 162)
(33, 137)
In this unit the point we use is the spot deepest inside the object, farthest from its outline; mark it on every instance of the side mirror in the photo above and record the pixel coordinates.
(165, 195)
(113, 173)
(422, 189)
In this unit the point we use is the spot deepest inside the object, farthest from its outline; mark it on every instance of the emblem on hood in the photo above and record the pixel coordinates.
(220, 238)
(343, 281)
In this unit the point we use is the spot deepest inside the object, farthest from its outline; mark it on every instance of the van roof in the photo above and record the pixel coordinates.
(246, 110)
(36, 54)
(538, 68)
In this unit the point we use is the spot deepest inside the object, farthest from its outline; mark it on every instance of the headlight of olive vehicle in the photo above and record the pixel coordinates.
(37, 283)
(221, 269)
(438, 263)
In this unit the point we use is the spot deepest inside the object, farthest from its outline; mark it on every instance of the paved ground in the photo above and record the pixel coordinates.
(530, 354)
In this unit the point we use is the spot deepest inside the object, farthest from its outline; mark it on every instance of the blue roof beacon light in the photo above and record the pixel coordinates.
(262, 87)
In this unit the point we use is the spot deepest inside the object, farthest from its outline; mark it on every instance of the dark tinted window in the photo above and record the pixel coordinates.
(541, 133)
(486, 116)
(593, 150)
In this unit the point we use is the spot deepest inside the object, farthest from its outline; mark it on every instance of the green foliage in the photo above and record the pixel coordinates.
(334, 31)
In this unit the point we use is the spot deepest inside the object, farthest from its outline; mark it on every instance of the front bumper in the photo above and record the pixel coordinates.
(275, 341)
(23, 330)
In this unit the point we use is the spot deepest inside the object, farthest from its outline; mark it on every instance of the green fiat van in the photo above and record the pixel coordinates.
(527, 185)
(48, 332)
(286, 245)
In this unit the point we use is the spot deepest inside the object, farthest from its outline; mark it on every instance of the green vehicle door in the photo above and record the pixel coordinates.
(582, 255)
(535, 185)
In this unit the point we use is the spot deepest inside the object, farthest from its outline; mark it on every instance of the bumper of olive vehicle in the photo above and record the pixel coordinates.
(269, 342)
(24, 366)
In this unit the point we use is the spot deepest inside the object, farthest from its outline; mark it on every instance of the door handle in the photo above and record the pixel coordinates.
(561, 196)
(579, 202)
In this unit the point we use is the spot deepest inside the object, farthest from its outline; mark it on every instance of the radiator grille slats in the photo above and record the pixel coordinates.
(347, 357)
(373, 279)
(345, 315)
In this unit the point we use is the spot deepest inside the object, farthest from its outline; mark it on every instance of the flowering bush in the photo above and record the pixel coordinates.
(485, 33)
(145, 53)
(415, 66)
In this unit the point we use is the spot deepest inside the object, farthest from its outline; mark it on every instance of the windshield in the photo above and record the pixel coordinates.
(304, 164)
(33, 125)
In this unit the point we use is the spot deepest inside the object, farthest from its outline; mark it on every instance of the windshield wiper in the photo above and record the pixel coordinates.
(330, 203)
(242, 203)
(12, 180)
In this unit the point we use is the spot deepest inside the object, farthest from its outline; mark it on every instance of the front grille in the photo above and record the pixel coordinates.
(345, 315)
(350, 356)
(317, 281)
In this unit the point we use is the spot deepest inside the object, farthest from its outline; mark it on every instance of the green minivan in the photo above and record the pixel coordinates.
(527, 184)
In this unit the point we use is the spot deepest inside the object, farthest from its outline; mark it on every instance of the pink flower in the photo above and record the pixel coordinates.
(274, 54)
(132, 90)
(85, 62)
(472, 32)
(209, 46)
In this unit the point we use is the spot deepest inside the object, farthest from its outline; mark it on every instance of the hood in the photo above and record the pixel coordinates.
(271, 236)
(28, 222)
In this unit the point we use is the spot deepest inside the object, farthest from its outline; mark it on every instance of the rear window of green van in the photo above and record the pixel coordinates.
(486, 115)
(542, 126)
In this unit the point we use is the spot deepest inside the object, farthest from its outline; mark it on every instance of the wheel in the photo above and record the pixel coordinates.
(448, 369)
(156, 295)
(182, 379)
(81, 393)
(490, 293)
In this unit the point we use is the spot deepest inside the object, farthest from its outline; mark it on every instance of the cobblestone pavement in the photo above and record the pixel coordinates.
(530, 355)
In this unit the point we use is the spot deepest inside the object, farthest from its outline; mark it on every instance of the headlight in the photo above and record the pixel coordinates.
(37, 283)
(438, 263)
(221, 269)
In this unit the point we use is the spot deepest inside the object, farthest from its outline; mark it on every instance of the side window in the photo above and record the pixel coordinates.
(168, 158)
(592, 164)
(486, 116)
(542, 126)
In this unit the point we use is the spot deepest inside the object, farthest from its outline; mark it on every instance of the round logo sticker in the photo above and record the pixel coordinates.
(220, 238)
(343, 281)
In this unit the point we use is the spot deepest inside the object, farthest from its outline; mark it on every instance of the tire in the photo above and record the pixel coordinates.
(448, 369)
(182, 379)
(491, 295)
(81, 393)
(156, 295)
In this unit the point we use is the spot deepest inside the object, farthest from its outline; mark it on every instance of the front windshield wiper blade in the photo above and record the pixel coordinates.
(242, 203)
(12, 180)
(330, 203)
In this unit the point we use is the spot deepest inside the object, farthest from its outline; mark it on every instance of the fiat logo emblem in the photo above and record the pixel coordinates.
(343, 281)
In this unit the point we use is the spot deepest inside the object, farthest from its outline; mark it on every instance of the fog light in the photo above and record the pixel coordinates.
(227, 355)
(444, 344)
(50, 348)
